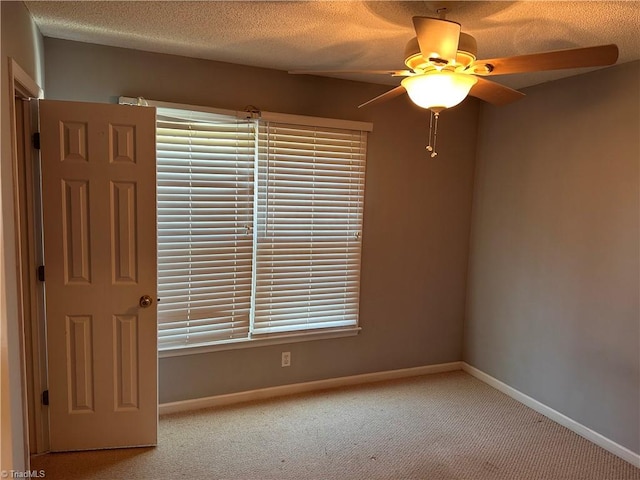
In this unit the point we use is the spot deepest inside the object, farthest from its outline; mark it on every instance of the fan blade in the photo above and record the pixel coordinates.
(395, 92)
(494, 93)
(438, 39)
(393, 73)
(601, 55)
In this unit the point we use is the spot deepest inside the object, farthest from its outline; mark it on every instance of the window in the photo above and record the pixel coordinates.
(310, 193)
(259, 226)
(205, 185)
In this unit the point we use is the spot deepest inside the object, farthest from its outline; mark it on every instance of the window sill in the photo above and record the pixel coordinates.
(258, 342)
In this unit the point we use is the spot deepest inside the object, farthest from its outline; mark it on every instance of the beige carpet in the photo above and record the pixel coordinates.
(444, 426)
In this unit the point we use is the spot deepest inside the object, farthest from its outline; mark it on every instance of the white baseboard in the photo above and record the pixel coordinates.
(263, 393)
(600, 440)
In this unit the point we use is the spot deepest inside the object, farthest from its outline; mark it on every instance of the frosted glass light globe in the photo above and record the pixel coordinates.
(438, 90)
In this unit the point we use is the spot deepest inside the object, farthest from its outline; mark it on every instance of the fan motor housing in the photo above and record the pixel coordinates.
(467, 51)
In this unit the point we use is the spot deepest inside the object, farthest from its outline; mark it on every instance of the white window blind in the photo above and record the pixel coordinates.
(259, 225)
(309, 219)
(205, 171)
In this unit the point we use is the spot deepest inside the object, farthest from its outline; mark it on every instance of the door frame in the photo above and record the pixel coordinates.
(30, 320)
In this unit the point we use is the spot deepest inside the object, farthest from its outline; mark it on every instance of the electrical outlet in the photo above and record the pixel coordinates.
(286, 359)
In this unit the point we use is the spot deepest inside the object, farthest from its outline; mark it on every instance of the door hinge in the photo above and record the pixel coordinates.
(36, 140)
(41, 273)
(45, 397)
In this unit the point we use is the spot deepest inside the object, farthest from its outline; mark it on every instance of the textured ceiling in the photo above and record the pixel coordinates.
(339, 35)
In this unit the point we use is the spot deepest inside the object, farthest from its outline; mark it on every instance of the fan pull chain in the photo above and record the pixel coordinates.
(433, 133)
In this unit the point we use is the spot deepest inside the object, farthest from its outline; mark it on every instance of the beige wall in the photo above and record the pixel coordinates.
(21, 41)
(416, 222)
(553, 301)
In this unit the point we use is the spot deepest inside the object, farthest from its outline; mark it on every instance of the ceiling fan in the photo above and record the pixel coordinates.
(443, 68)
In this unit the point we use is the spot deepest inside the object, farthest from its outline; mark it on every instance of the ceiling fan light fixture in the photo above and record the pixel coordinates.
(438, 90)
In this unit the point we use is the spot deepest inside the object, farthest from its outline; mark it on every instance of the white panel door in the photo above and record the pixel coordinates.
(99, 216)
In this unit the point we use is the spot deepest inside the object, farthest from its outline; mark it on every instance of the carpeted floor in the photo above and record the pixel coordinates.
(434, 427)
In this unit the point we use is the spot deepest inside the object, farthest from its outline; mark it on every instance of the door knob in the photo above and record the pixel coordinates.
(145, 301)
